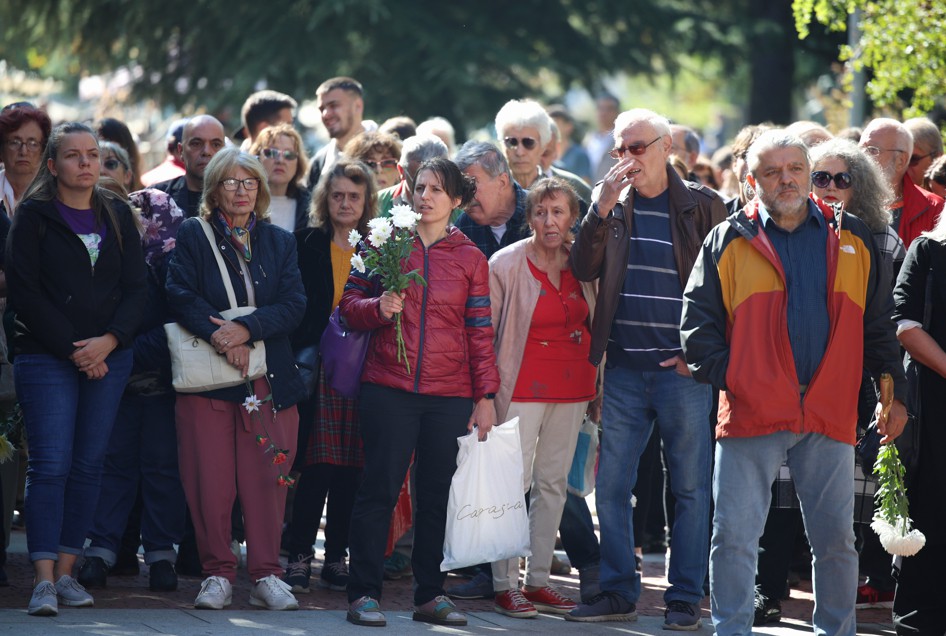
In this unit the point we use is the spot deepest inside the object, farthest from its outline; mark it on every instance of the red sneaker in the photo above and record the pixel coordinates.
(550, 600)
(513, 603)
(869, 596)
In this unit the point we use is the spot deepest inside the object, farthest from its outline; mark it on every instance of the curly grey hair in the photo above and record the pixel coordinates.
(870, 194)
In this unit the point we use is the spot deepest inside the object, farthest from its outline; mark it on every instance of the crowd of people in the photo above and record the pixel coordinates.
(726, 317)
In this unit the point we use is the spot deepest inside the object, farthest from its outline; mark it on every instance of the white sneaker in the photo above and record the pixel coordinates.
(215, 593)
(71, 593)
(273, 594)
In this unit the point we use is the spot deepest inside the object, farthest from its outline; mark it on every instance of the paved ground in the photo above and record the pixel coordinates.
(128, 608)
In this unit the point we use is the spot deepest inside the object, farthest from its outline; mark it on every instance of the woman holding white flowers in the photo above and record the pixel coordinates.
(220, 449)
(449, 389)
(330, 453)
(917, 606)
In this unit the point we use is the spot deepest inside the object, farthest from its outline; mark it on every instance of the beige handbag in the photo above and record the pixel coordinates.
(195, 365)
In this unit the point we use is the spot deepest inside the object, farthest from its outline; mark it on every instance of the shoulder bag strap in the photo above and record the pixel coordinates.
(231, 296)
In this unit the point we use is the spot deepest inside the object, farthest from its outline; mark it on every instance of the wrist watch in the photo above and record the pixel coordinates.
(490, 396)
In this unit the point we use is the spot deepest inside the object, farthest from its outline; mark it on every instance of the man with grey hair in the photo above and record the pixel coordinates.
(927, 146)
(439, 127)
(414, 151)
(686, 144)
(522, 126)
(914, 209)
(639, 241)
(785, 305)
(496, 217)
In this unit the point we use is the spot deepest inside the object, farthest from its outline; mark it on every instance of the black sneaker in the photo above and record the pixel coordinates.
(606, 606)
(298, 572)
(682, 616)
(162, 577)
(767, 610)
(93, 573)
(334, 575)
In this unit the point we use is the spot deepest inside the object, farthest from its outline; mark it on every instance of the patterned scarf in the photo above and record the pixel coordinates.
(239, 236)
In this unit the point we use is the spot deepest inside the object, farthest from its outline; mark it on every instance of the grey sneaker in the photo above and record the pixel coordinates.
(682, 616)
(44, 600)
(365, 611)
(71, 593)
(270, 592)
(606, 606)
(215, 593)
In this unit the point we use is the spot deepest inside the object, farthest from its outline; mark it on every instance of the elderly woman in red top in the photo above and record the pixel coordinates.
(541, 315)
(449, 341)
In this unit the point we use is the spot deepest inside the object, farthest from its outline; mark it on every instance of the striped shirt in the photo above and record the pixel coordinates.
(646, 329)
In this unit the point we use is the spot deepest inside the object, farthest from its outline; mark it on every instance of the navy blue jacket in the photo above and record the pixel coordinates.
(196, 292)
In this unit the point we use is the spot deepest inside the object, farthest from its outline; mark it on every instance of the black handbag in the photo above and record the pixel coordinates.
(307, 361)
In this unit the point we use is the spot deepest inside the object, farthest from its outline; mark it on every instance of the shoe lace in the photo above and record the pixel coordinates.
(557, 596)
(680, 606)
(275, 585)
(516, 598)
(338, 568)
(211, 582)
(44, 590)
(299, 567)
(72, 584)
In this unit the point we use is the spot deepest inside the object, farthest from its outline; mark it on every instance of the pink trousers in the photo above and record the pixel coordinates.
(220, 460)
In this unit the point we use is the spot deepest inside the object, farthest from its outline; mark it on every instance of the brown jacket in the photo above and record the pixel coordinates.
(601, 249)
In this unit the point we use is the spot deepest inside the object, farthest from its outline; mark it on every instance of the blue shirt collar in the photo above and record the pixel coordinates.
(813, 213)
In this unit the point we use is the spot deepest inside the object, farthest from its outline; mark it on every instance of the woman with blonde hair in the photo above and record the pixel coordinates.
(220, 458)
(280, 150)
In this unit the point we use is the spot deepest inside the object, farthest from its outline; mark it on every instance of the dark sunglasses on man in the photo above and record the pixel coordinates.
(637, 149)
(915, 159)
(527, 142)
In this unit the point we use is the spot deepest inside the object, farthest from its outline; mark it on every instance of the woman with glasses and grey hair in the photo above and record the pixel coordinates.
(220, 452)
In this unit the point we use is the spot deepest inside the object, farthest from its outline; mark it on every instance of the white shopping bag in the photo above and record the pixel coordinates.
(486, 516)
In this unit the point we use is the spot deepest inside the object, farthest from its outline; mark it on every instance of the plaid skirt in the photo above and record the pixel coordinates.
(335, 436)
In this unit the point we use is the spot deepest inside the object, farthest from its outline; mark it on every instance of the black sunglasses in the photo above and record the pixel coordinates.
(915, 159)
(276, 153)
(527, 142)
(637, 149)
(112, 164)
(842, 180)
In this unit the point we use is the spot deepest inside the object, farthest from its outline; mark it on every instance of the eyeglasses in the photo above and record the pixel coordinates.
(31, 145)
(384, 164)
(276, 153)
(527, 142)
(637, 149)
(842, 180)
(915, 159)
(231, 185)
(873, 151)
(112, 164)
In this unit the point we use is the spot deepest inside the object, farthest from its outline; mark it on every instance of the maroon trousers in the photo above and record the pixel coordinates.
(220, 460)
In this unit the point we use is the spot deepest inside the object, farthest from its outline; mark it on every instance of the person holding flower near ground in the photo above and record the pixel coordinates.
(228, 448)
(787, 301)
(420, 403)
(917, 608)
(330, 454)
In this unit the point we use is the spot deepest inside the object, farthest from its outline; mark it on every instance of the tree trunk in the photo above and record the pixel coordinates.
(772, 60)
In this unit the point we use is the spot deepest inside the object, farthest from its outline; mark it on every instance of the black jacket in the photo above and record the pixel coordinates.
(196, 292)
(177, 190)
(58, 296)
(315, 264)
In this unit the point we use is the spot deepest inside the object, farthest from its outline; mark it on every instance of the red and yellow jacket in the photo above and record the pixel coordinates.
(735, 329)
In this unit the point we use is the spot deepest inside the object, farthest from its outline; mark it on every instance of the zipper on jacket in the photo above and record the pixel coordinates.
(423, 321)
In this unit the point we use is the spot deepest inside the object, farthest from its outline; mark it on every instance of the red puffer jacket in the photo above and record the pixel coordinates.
(446, 324)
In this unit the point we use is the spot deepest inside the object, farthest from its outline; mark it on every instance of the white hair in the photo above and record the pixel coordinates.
(628, 118)
(524, 113)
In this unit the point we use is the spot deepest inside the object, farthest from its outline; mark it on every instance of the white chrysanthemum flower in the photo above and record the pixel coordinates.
(252, 403)
(354, 238)
(899, 540)
(402, 216)
(381, 230)
(358, 263)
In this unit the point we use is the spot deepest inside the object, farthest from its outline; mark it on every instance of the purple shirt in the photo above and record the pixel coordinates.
(83, 223)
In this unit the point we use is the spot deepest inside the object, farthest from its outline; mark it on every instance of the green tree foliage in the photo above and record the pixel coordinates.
(902, 43)
(423, 57)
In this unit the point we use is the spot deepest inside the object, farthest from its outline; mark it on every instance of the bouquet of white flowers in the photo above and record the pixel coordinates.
(389, 243)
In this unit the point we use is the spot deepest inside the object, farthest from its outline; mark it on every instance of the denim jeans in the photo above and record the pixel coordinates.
(68, 421)
(823, 472)
(142, 451)
(633, 402)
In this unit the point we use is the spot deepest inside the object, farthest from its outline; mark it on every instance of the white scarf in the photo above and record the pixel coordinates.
(6, 193)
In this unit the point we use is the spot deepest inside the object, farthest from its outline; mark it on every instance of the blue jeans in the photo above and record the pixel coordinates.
(633, 402)
(142, 451)
(68, 422)
(823, 472)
